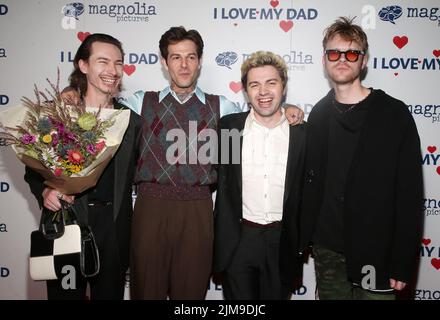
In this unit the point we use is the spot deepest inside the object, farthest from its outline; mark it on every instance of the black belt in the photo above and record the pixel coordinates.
(98, 203)
(259, 225)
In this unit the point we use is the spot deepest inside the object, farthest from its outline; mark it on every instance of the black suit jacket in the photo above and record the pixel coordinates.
(382, 211)
(228, 205)
(125, 166)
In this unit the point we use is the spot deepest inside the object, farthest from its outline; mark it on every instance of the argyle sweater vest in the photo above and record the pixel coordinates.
(168, 166)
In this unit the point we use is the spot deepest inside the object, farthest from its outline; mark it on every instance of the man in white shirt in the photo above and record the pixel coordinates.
(257, 198)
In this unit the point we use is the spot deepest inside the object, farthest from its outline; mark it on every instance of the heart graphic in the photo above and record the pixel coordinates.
(400, 42)
(435, 263)
(438, 170)
(426, 241)
(396, 74)
(235, 86)
(436, 53)
(274, 3)
(129, 69)
(82, 35)
(431, 149)
(286, 25)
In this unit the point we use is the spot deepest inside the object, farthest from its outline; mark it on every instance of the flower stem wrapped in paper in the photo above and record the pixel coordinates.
(68, 144)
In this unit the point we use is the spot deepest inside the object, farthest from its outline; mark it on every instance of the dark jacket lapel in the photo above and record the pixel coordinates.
(296, 142)
(239, 125)
(122, 160)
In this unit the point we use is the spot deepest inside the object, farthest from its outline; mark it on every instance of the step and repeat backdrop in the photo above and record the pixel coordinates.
(37, 37)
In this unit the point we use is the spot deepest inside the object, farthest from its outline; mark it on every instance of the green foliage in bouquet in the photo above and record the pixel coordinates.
(65, 138)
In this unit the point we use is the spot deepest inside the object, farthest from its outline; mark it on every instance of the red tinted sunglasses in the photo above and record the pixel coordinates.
(350, 55)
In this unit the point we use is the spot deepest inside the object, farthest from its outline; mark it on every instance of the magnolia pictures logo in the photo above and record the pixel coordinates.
(426, 111)
(394, 12)
(431, 207)
(226, 59)
(71, 12)
(390, 13)
(134, 12)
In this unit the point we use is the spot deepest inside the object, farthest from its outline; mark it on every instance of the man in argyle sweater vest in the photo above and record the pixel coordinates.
(182, 180)
(172, 230)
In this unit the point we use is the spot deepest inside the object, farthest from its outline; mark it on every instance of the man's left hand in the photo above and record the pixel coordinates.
(294, 114)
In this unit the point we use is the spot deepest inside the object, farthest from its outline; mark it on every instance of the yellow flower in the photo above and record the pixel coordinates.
(47, 138)
(73, 168)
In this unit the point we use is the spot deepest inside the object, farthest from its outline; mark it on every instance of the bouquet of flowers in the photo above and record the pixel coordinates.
(68, 144)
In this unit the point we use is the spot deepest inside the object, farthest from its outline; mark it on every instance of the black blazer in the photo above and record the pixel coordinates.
(228, 205)
(125, 166)
(383, 194)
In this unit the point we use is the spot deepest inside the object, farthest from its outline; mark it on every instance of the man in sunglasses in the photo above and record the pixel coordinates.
(363, 181)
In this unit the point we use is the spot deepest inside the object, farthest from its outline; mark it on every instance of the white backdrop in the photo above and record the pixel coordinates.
(39, 36)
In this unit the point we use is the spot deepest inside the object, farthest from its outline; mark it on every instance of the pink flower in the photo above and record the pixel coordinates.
(58, 172)
(75, 156)
(100, 145)
(27, 138)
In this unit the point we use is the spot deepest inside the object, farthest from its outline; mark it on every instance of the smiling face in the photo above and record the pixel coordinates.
(265, 92)
(183, 66)
(343, 72)
(103, 69)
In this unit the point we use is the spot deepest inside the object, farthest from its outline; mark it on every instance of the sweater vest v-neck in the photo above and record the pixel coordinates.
(164, 125)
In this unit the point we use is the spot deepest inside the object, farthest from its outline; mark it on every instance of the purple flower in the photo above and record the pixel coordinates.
(69, 136)
(91, 149)
(27, 138)
(60, 128)
(54, 139)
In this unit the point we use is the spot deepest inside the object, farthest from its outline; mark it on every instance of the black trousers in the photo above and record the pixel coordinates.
(254, 270)
(109, 283)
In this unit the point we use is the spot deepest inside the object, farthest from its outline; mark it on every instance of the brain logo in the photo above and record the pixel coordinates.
(390, 13)
(74, 10)
(226, 59)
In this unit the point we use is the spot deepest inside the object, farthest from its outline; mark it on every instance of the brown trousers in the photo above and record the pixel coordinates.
(171, 248)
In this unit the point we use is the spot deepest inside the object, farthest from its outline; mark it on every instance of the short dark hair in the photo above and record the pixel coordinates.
(177, 34)
(349, 31)
(77, 79)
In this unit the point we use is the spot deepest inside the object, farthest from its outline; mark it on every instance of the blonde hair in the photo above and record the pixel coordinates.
(260, 59)
(347, 30)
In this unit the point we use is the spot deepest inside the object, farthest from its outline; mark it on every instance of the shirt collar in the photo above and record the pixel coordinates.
(252, 122)
(197, 91)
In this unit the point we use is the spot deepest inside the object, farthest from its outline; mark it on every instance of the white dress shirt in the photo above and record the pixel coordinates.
(264, 160)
